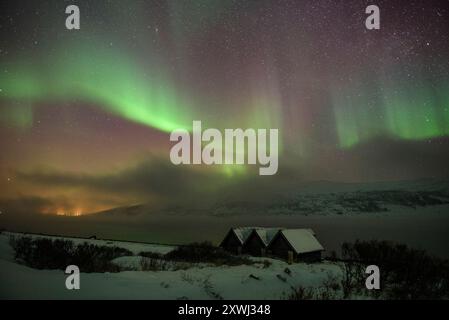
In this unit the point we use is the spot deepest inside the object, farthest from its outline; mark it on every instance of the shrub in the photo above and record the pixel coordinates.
(92, 258)
(329, 290)
(44, 253)
(207, 253)
(152, 264)
(301, 293)
(149, 254)
(405, 273)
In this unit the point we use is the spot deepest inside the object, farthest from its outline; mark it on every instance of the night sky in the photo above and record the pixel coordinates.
(85, 116)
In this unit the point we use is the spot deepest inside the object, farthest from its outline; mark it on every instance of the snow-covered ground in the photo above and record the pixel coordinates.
(134, 247)
(257, 281)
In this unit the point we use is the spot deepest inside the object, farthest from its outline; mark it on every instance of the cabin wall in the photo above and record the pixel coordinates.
(232, 244)
(279, 247)
(254, 246)
(309, 257)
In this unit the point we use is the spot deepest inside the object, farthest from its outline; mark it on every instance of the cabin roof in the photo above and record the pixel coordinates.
(242, 233)
(266, 234)
(302, 240)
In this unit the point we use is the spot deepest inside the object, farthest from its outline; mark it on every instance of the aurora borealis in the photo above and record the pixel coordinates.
(85, 116)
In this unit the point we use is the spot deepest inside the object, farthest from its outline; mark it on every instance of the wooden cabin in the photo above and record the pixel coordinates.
(296, 245)
(257, 242)
(235, 238)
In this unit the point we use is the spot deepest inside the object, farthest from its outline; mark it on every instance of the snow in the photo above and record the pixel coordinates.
(243, 233)
(267, 234)
(302, 240)
(134, 247)
(197, 282)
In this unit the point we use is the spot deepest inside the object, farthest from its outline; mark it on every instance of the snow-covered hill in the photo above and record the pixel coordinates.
(316, 198)
(269, 280)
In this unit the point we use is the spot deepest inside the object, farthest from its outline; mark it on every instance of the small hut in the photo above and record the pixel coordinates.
(296, 245)
(235, 238)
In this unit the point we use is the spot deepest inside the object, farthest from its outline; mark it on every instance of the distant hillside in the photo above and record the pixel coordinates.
(320, 198)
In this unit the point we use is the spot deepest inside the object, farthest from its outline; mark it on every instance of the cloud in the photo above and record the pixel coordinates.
(157, 180)
(161, 183)
(390, 159)
(25, 205)
(148, 179)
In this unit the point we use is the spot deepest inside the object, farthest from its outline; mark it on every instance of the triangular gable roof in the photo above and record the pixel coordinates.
(242, 233)
(266, 234)
(302, 240)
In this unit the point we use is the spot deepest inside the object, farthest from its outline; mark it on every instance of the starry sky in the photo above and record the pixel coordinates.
(85, 116)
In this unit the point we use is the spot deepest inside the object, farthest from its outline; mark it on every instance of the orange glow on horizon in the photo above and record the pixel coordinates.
(66, 212)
